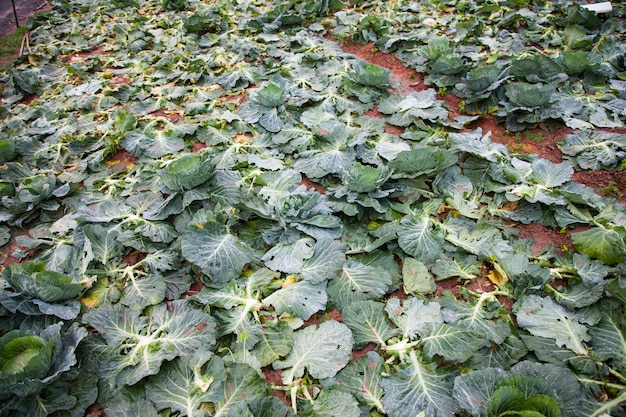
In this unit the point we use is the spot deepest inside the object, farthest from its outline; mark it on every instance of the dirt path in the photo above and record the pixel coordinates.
(24, 9)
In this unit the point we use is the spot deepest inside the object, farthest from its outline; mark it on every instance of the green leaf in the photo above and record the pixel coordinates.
(608, 339)
(153, 142)
(218, 253)
(302, 299)
(436, 48)
(422, 161)
(270, 407)
(331, 403)
(545, 318)
(551, 175)
(416, 278)
(453, 343)
(505, 354)
(187, 172)
(48, 286)
(275, 342)
(141, 292)
(135, 345)
(463, 267)
(474, 389)
(289, 258)
(185, 384)
(419, 238)
(594, 149)
(417, 389)
(322, 351)
(7, 150)
(362, 377)
(101, 244)
(476, 316)
(271, 95)
(607, 245)
(328, 257)
(557, 381)
(241, 386)
(129, 401)
(368, 322)
(27, 355)
(413, 317)
(370, 75)
(529, 95)
(357, 282)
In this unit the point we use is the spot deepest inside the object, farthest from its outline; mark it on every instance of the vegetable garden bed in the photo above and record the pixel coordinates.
(319, 208)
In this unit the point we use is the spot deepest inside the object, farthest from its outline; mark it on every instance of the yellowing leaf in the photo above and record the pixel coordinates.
(509, 206)
(289, 281)
(90, 301)
(497, 275)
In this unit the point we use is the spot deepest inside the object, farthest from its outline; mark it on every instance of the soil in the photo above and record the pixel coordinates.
(24, 8)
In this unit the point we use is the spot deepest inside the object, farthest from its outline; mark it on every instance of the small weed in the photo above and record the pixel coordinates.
(519, 149)
(612, 189)
(462, 106)
(537, 137)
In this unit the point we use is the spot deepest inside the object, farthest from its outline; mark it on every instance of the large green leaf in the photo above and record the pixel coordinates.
(322, 351)
(417, 389)
(419, 237)
(141, 292)
(289, 258)
(529, 95)
(152, 141)
(241, 386)
(474, 389)
(362, 377)
(607, 245)
(453, 343)
(416, 278)
(413, 317)
(368, 322)
(301, 299)
(136, 346)
(275, 341)
(331, 403)
(593, 149)
(476, 316)
(356, 282)
(33, 281)
(422, 161)
(608, 339)
(218, 253)
(328, 257)
(101, 244)
(185, 384)
(543, 317)
(186, 172)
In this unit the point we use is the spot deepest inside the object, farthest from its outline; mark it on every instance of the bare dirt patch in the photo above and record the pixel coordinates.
(83, 56)
(543, 236)
(607, 183)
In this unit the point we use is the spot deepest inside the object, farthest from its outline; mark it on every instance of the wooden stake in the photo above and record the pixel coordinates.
(17, 23)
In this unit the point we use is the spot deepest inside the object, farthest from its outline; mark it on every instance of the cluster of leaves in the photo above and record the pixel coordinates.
(527, 63)
(255, 197)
